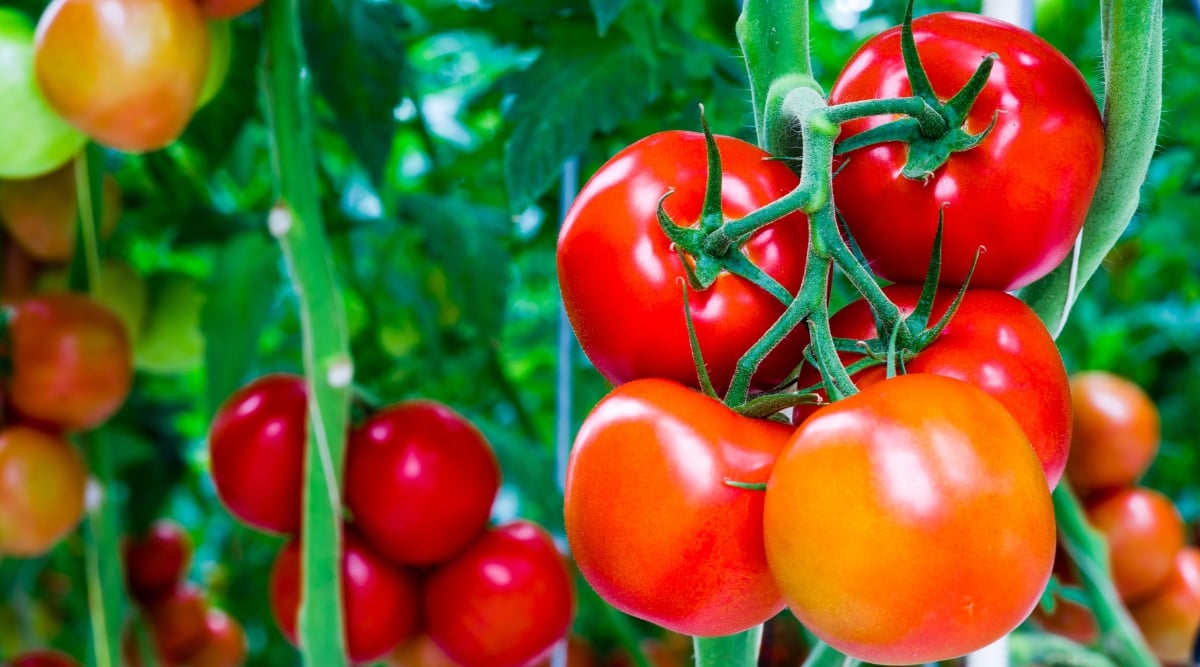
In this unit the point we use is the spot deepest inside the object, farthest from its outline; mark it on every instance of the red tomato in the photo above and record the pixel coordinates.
(71, 362)
(43, 480)
(226, 643)
(256, 450)
(1117, 431)
(1170, 618)
(379, 599)
(995, 342)
(1022, 193)
(42, 658)
(39, 213)
(653, 526)
(910, 522)
(227, 9)
(156, 562)
(503, 601)
(420, 481)
(1144, 533)
(178, 623)
(620, 276)
(126, 72)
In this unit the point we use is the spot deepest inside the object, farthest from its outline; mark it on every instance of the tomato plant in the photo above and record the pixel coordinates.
(1117, 430)
(126, 73)
(156, 561)
(1144, 533)
(620, 276)
(1170, 619)
(420, 480)
(652, 524)
(42, 484)
(256, 450)
(39, 213)
(1025, 204)
(503, 601)
(910, 522)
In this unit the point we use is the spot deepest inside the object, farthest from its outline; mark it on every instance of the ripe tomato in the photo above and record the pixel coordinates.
(43, 480)
(423, 652)
(620, 275)
(42, 658)
(653, 526)
(503, 601)
(178, 623)
(1144, 533)
(420, 481)
(1170, 618)
(1117, 430)
(1024, 202)
(156, 562)
(226, 643)
(71, 363)
(995, 342)
(380, 600)
(910, 522)
(39, 213)
(256, 451)
(126, 72)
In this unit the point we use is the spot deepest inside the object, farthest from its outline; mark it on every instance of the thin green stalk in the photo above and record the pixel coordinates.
(824, 655)
(297, 224)
(739, 649)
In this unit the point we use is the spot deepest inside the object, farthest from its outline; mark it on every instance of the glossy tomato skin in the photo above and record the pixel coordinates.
(157, 561)
(127, 73)
(653, 526)
(42, 658)
(1144, 533)
(1170, 619)
(43, 481)
(39, 213)
(504, 601)
(380, 600)
(178, 623)
(1022, 200)
(72, 365)
(420, 481)
(1117, 432)
(226, 643)
(995, 342)
(256, 450)
(620, 277)
(910, 522)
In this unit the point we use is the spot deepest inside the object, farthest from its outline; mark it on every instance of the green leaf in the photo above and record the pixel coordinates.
(606, 12)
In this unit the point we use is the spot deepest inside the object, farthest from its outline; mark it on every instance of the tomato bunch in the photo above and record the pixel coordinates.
(419, 555)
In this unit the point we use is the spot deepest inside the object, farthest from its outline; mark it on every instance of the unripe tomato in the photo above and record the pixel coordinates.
(220, 53)
(256, 452)
(178, 623)
(172, 340)
(39, 213)
(1144, 533)
(910, 522)
(420, 481)
(156, 562)
(503, 601)
(1170, 618)
(43, 481)
(71, 362)
(1117, 432)
(127, 73)
(380, 600)
(42, 658)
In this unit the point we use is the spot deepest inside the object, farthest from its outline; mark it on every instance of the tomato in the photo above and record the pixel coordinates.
(39, 141)
(256, 450)
(42, 658)
(226, 643)
(652, 524)
(227, 9)
(220, 54)
(157, 561)
(379, 600)
(1117, 431)
(503, 601)
(995, 342)
(420, 481)
(423, 652)
(127, 73)
(1144, 533)
(910, 522)
(39, 213)
(43, 480)
(121, 290)
(1170, 619)
(17, 273)
(178, 623)
(620, 276)
(1011, 194)
(71, 363)
(173, 337)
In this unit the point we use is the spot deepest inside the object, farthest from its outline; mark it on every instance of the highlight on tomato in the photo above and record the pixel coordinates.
(1144, 532)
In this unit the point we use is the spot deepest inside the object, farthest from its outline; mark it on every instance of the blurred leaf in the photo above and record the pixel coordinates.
(217, 125)
(606, 12)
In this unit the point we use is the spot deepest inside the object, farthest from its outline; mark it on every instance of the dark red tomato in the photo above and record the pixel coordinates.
(1144, 533)
(1117, 431)
(652, 524)
(256, 449)
(620, 277)
(71, 361)
(178, 624)
(156, 562)
(125, 72)
(1022, 193)
(420, 481)
(504, 601)
(910, 522)
(995, 342)
(42, 658)
(43, 480)
(1170, 618)
(226, 643)
(380, 600)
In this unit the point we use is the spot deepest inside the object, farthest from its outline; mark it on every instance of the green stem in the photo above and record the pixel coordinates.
(774, 38)
(1028, 648)
(105, 599)
(930, 120)
(739, 649)
(824, 655)
(297, 224)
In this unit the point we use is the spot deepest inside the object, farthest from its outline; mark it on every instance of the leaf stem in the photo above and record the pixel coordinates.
(737, 649)
(778, 62)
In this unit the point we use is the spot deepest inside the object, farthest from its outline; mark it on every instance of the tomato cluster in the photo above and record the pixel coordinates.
(42, 658)
(419, 556)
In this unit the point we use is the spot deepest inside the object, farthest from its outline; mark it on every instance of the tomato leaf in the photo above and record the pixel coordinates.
(606, 12)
